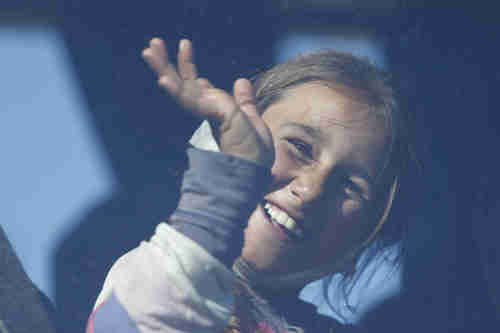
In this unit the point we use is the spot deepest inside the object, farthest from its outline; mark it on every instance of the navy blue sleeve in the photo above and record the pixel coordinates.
(218, 194)
(23, 307)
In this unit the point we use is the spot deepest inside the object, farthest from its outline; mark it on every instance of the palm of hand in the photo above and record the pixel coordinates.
(238, 126)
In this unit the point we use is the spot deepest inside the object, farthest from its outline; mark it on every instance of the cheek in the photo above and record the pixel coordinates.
(342, 209)
(346, 226)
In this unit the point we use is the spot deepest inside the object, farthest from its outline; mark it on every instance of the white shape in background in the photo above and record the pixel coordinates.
(374, 285)
(52, 169)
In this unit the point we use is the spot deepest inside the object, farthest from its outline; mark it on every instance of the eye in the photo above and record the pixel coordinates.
(303, 148)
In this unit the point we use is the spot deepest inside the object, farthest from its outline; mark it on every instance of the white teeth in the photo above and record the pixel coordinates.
(289, 223)
(283, 219)
(280, 216)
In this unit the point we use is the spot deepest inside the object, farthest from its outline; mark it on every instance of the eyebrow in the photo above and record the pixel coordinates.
(312, 131)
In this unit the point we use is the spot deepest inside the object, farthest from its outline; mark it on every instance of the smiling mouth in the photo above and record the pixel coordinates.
(280, 219)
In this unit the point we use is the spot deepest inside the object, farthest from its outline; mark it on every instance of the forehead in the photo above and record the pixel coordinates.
(329, 106)
(346, 128)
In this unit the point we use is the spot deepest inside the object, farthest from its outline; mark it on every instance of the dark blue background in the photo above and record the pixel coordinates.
(446, 61)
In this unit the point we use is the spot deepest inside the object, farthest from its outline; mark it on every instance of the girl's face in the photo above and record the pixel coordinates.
(329, 151)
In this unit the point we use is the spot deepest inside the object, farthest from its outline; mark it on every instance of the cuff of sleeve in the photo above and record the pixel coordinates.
(222, 186)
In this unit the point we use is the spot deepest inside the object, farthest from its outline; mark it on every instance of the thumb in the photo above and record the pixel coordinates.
(244, 95)
(245, 99)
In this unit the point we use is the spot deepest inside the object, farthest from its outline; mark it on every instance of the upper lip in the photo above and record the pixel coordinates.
(298, 218)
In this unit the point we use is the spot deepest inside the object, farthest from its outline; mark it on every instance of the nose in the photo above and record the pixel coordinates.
(309, 186)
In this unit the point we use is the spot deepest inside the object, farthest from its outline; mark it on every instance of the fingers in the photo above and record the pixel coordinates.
(204, 83)
(185, 59)
(161, 55)
(169, 77)
(195, 94)
(156, 56)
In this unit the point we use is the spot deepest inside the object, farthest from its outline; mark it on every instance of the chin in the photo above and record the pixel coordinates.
(261, 245)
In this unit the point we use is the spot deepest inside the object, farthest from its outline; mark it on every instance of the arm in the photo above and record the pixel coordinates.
(180, 280)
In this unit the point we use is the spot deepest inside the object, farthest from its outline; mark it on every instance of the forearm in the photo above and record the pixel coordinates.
(218, 194)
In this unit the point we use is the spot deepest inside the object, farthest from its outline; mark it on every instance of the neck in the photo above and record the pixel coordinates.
(287, 284)
(268, 284)
(274, 303)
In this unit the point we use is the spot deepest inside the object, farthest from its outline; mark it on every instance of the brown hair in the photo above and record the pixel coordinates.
(370, 85)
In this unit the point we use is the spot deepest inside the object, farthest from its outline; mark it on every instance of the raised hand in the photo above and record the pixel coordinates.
(239, 130)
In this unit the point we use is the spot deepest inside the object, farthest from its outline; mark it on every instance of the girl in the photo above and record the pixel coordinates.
(311, 155)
